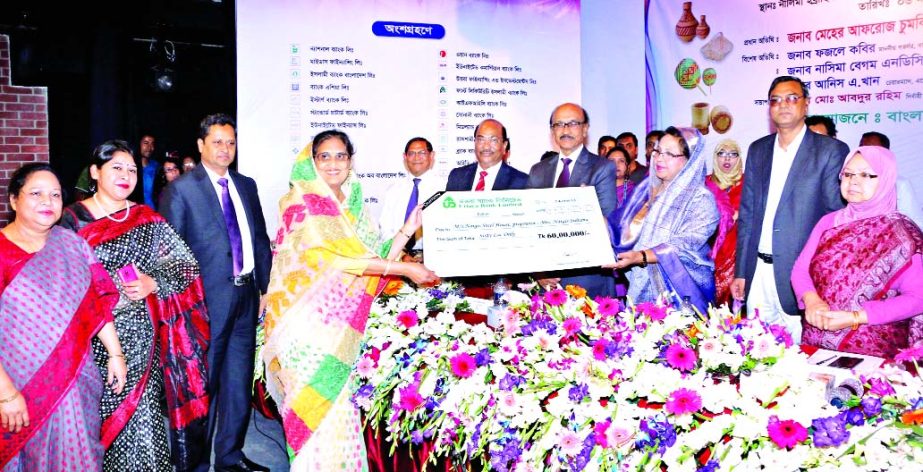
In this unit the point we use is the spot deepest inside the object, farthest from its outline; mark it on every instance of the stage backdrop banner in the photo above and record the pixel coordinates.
(711, 62)
(387, 71)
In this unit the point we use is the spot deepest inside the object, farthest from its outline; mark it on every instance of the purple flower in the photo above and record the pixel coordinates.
(710, 466)
(871, 406)
(482, 358)
(854, 416)
(781, 334)
(879, 387)
(437, 294)
(830, 431)
(578, 392)
(508, 382)
(416, 437)
(655, 435)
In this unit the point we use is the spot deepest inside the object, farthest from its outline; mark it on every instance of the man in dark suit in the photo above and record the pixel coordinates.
(217, 211)
(792, 180)
(575, 166)
(490, 172)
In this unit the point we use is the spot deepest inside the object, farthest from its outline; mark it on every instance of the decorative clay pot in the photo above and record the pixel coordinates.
(703, 29)
(685, 27)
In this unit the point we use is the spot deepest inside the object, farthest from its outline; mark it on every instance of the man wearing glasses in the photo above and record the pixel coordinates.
(404, 195)
(490, 172)
(575, 166)
(792, 181)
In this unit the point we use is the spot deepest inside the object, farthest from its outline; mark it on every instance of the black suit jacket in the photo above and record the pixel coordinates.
(811, 190)
(508, 178)
(588, 169)
(191, 205)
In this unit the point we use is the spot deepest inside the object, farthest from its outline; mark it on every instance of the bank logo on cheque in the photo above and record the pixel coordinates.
(449, 202)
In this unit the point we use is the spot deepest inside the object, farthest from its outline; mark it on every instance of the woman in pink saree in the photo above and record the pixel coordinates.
(858, 277)
(54, 297)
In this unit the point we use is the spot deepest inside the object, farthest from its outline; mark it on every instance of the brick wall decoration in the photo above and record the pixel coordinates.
(23, 126)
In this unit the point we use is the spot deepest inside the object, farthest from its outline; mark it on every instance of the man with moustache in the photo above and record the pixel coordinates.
(575, 166)
(402, 197)
(490, 172)
(792, 181)
(217, 212)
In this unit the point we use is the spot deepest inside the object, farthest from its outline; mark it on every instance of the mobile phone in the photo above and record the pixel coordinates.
(128, 274)
(429, 201)
(845, 362)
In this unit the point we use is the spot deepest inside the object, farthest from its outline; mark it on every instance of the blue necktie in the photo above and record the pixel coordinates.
(230, 220)
(564, 178)
(414, 198)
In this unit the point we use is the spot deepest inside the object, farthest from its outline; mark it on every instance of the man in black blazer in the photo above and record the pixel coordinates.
(490, 172)
(792, 180)
(569, 127)
(217, 212)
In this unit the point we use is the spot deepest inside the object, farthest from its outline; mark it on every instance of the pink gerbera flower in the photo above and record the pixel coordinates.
(910, 354)
(463, 365)
(556, 297)
(607, 306)
(408, 318)
(786, 434)
(365, 367)
(681, 357)
(654, 312)
(570, 443)
(683, 401)
(410, 398)
(571, 326)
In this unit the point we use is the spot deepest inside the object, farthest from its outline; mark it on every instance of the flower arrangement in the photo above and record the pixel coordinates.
(570, 383)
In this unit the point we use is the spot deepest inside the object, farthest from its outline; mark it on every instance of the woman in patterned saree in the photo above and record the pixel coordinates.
(327, 269)
(661, 234)
(160, 317)
(858, 277)
(54, 297)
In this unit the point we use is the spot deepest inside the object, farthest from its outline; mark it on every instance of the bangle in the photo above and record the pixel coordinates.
(387, 268)
(855, 320)
(116, 355)
(156, 289)
(643, 259)
(11, 398)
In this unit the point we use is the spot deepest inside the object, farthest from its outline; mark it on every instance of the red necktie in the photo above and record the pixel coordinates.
(480, 186)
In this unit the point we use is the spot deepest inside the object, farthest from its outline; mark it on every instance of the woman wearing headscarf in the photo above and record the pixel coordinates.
(160, 317)
(329, 265)
(661, 235)
(54, 298)
(859, 275)
(725, 182)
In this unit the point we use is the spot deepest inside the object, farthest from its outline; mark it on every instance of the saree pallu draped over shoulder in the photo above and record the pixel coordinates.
(857, 262)
(50, 312)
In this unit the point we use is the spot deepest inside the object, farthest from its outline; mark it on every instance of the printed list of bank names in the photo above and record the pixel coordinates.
(333, 73)
(482, 89)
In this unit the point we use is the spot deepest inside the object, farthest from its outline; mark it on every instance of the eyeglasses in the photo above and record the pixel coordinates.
(487, 139)
(188, 166)
(863, 176)
(171, 169)
(726, 154)
(658, 152)
(327, 157)
(776, 100)
(567, 124)
(423, 153)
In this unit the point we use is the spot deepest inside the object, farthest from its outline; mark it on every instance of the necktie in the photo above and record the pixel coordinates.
(414, 198)
(564, 178)
(230, 220)
(480, 187)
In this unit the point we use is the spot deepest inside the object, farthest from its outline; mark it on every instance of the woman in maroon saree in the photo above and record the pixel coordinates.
(160, 317)
(54, 297)
(859, 274)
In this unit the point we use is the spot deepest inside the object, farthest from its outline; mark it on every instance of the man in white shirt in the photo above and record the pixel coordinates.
(792, 181)
(402, 197)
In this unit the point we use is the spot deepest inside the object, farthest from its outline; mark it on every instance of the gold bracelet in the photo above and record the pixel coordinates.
(117, 355)
(13, 397)
(855, 320)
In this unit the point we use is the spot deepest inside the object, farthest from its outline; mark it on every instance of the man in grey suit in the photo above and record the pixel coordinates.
(792, 181)
(575, 166)
(490, 172)
(217, 212)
